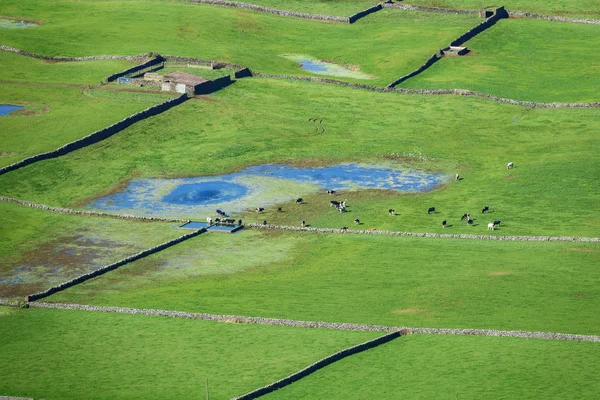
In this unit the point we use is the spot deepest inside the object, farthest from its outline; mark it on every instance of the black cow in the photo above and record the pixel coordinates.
(444, 224)
(431, 210)
(303, 224)
(344, 228)
(392, 211)
(330, 192)
(333, 203)
(260, 209)
(239, 222)
(357, 221)
(470, 222)
(484, 209)
(264, 222)
(465, 216)
(221, 213)
(299, 200)
(497, 222)
(279, 209)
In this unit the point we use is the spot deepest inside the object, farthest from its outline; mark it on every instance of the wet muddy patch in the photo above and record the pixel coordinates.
(16, 23)
(321, 67)
(6, 109)
(256, 186)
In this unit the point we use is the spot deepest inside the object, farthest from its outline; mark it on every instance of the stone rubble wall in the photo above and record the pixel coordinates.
(459, 92)
(554, 18)
(60, 210)
(139, 57)
(98, 136)
(410, 7)
(111, 267)
(317, 325)
(427, 235)
(155, 62)
(201, 61)
(353, 18)
(275, 11)
(322, 363)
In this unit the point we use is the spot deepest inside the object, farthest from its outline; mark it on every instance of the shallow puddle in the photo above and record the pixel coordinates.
(11, 24)
(256, 186)
(325, 68)
(6, 109)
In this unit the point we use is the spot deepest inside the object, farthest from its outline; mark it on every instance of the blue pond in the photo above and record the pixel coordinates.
(7, 108)
(257, 186)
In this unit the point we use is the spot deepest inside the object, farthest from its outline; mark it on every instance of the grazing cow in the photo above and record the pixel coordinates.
(470, 222)
(334, 203)
(217, 220)
(343, 203)
(239, 222)
(209, 220)
(443, 223)
(229, 221)
(331, 192)
(491, 226)
(457, 177)
(303, 224)
(510, 165)
(260, 209)
(264, 222)
(279, 209)
(357, 221)
(497, 222)
(299, 200)
(221, 213)
(431, 210)
(344, 228)
(465, 216)
(392, 211)
(484, 209)
(341, 208)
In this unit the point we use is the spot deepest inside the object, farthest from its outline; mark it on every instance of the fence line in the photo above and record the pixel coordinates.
(426, 235)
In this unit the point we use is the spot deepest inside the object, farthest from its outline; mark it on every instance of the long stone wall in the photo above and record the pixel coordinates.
(155, 62)
(322, 363)
(410, 7)
(275, 11)
(98, 136)
(554, 18)
(61, 210)
(353, 18)
(193, 60)
(427, 235)
(318, 325)
(113, 266)
(139, 57)
(430, 61)
(458, 92)
(213, 85)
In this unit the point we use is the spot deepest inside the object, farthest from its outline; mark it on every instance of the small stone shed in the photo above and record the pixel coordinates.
(455, 51)
(182, 82)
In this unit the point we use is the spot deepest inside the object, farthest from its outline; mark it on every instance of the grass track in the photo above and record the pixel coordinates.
(394, 281)
(99, 356)
(427, 367)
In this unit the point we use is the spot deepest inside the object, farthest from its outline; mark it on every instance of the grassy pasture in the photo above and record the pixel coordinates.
(380, 280)
(343, 8)
(565, 8)
(524, 59)
(54, 116)
(56, 354)
(40, 249)
(258, 121)
(448, 367)
(388, 45)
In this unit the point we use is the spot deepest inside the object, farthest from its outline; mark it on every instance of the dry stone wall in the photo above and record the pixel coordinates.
(155, 62)
(410, 7)
(111, 267)
(427, 235)
(353, 18)
(322, 363)
(554, 18)
(11, 49)
(98, 136)
(60, 210)
(269, 10)
(430, 61)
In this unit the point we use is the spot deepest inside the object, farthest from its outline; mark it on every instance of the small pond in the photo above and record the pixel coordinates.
(6, 109)
(256, 186)
(9, 23)
(325, 68)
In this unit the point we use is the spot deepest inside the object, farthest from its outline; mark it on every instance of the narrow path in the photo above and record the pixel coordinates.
(427, 235)
(313, 324)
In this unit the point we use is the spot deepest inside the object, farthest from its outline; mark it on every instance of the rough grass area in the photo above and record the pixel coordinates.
(566, 8)
(40, 249)
(77, 354)
(447, 367)
(388, 45)
(258, 121)
(14, 67)
(55, 116)
(377, 280)
(342, 8)
(524, 59)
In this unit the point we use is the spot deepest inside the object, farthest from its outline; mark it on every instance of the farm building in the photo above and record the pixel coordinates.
(182, 82)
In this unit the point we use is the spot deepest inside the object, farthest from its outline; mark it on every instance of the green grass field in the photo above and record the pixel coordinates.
(450, 367)
(513, 59)
(99, 356)
(55, 116)
(363, 279)
(547, 147)
(40, 249)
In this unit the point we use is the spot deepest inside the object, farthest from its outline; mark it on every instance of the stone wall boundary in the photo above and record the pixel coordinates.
(98, 136)
(355, 17)
(156, 63)
(322, 363)
(458, 92)
(410, 7)
(427, 235)
(430, 61)
(523, 14)
(343, 326)
(100, 271)
(139, 57)
(269, 10)
(60, 210)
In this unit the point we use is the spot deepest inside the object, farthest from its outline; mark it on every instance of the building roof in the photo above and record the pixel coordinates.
(185, 78)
